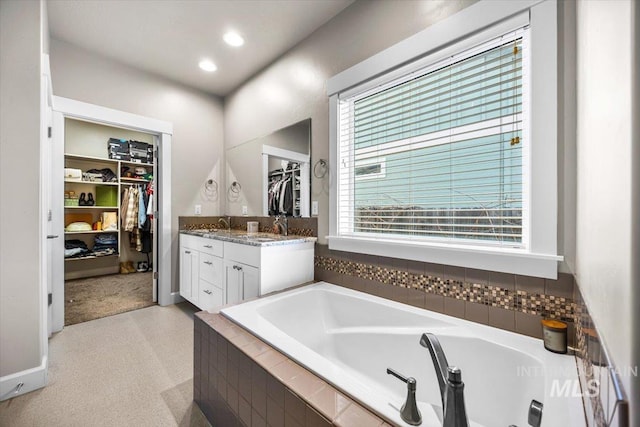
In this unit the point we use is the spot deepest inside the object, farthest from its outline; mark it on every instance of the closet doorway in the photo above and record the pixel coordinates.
(110, 184)
(109, 188)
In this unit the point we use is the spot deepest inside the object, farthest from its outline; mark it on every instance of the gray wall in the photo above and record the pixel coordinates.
(293, 87)
(197, 147)
(604, 261)
(20, 310)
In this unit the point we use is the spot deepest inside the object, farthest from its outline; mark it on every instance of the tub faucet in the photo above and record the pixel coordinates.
(451, 385)
(409, 411)
(282, 224)
(226, 222)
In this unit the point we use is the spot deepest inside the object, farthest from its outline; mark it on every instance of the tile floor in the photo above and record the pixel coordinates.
(131, 369)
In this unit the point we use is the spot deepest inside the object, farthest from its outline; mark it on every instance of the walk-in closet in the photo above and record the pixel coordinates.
(109, 227)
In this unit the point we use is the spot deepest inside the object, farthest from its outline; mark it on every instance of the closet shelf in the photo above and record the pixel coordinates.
(133, 180)
(91, 257)
(68, 233)
(91, 159)
(91, 207)
(125, 162)
(72, 181)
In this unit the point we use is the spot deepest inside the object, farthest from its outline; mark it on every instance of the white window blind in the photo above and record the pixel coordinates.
(452, 141)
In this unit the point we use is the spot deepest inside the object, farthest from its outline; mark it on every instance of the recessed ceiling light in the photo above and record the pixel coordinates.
(208, 65)
(233, 39)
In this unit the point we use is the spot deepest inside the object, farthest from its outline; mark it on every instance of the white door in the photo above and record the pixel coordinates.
(55, 227)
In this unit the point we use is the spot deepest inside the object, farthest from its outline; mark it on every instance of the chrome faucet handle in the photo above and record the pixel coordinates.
(409, 411)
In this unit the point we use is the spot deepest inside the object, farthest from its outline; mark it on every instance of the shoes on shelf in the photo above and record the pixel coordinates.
(123, 268)
(82, 201)
(130, 267)
(143, 266)
(90, 200)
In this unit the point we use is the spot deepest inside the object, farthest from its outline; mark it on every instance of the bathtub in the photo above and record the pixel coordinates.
(350, 338)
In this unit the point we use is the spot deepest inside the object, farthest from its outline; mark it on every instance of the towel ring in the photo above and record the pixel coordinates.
(320, 168)
(235, 187)
(233, 192)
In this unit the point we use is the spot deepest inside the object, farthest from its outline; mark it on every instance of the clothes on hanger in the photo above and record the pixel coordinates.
(135, 216)
(280, 194)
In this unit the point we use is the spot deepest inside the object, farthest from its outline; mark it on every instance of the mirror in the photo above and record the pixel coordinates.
(273, 166)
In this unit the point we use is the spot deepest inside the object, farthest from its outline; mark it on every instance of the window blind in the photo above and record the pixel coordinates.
(438, 154)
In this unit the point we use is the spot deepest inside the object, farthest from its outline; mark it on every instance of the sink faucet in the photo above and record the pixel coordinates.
(282, 224)
(450, 382)
(226, 222)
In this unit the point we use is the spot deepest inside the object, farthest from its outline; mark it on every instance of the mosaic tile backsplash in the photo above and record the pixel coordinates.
(529, 299)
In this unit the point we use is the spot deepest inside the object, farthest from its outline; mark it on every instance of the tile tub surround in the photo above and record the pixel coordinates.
(241, 381)
(511, 302)
(607, 405)
(297, 226)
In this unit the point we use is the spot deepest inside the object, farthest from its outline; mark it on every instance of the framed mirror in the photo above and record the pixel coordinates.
(272, 174)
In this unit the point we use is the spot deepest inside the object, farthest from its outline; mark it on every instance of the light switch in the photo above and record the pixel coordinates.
(314, 207)
(245, 211)
(198, 210)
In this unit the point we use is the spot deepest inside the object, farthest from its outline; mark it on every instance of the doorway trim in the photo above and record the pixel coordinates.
(163, 131)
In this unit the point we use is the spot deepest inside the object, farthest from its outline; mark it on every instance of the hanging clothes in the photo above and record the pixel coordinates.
(280, 194)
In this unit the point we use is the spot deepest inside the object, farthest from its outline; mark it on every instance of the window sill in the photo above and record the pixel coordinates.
(506, 260)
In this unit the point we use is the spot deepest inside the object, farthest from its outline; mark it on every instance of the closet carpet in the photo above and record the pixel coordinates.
(133, 369)
(102, 296)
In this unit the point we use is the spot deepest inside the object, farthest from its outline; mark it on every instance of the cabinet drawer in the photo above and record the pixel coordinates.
(210, 268)
(211, 298)
(202, 244)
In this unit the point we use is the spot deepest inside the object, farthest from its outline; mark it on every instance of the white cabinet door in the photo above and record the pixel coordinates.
(189, 274)
(250, 281)
(233, 282)
(242, 281)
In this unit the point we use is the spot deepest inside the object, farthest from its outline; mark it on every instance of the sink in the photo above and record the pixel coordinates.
(261, 239)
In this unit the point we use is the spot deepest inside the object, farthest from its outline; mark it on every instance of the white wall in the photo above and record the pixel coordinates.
(293, 87)
(604, 151)
(20, 309)
(197, 146)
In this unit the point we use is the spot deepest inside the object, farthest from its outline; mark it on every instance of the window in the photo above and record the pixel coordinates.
(369, 168)
(437, 154)
(465, 116)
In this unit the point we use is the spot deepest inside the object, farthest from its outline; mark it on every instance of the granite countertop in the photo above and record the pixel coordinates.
(253, 239)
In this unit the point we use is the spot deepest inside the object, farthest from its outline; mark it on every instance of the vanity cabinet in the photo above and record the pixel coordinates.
(214, 272)
(202, 272)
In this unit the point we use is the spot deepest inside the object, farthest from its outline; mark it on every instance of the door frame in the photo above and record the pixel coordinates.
(162, 132)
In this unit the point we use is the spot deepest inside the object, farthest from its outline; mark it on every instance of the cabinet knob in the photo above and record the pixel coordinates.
(187, 252)
(237, 267)
(208, 246)
(208, 262)
(206, 291)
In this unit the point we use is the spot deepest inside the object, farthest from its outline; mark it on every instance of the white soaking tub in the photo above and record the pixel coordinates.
(350, 338)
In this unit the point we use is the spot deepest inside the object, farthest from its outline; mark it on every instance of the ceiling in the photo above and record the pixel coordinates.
(170, 37)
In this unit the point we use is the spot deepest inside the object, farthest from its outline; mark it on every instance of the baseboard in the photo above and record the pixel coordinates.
(31, 379)
(83, 274)
(174, 298)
